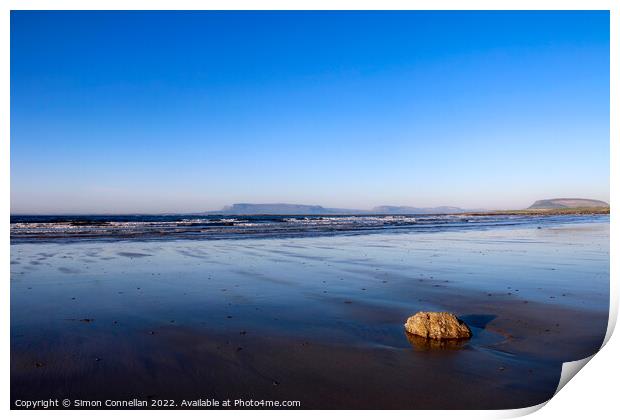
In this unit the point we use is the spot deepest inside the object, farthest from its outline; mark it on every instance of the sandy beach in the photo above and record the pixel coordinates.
(317, 320)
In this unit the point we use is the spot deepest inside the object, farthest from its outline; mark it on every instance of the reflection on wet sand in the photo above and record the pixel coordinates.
(428, 344)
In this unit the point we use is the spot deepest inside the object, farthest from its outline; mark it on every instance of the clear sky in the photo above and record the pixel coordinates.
(129, 112)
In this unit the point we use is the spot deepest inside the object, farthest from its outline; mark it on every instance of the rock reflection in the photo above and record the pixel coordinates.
(429, 344)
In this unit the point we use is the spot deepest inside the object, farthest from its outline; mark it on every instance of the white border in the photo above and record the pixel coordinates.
(593, 394)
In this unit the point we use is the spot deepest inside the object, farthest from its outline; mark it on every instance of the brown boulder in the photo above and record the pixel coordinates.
(437, 325)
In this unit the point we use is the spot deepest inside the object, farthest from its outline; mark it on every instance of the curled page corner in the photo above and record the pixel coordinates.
(613, 315)
(521, 412)
(570, 369)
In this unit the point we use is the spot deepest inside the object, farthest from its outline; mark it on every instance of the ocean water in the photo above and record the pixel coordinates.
(149, 227)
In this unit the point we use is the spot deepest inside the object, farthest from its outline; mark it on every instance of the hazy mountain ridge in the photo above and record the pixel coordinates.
(273, 208)
(567, 203)
(286, 208)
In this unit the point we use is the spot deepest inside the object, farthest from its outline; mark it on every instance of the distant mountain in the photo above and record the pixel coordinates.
(273, 208)
(567, 203)
(284, 208)
(416, 210)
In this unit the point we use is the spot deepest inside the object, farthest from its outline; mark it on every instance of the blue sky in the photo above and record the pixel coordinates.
(128, 112)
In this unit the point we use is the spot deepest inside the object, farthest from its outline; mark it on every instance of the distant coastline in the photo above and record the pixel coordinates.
(521, 212)
(556, 206)
(553, 206)
(542, 212)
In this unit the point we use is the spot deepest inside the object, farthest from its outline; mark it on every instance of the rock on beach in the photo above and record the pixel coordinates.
(437, 325)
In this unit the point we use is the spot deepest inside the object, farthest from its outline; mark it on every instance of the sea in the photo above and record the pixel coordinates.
(44, 228)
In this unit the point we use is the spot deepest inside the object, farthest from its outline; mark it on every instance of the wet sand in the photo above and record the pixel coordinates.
(317, 320)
